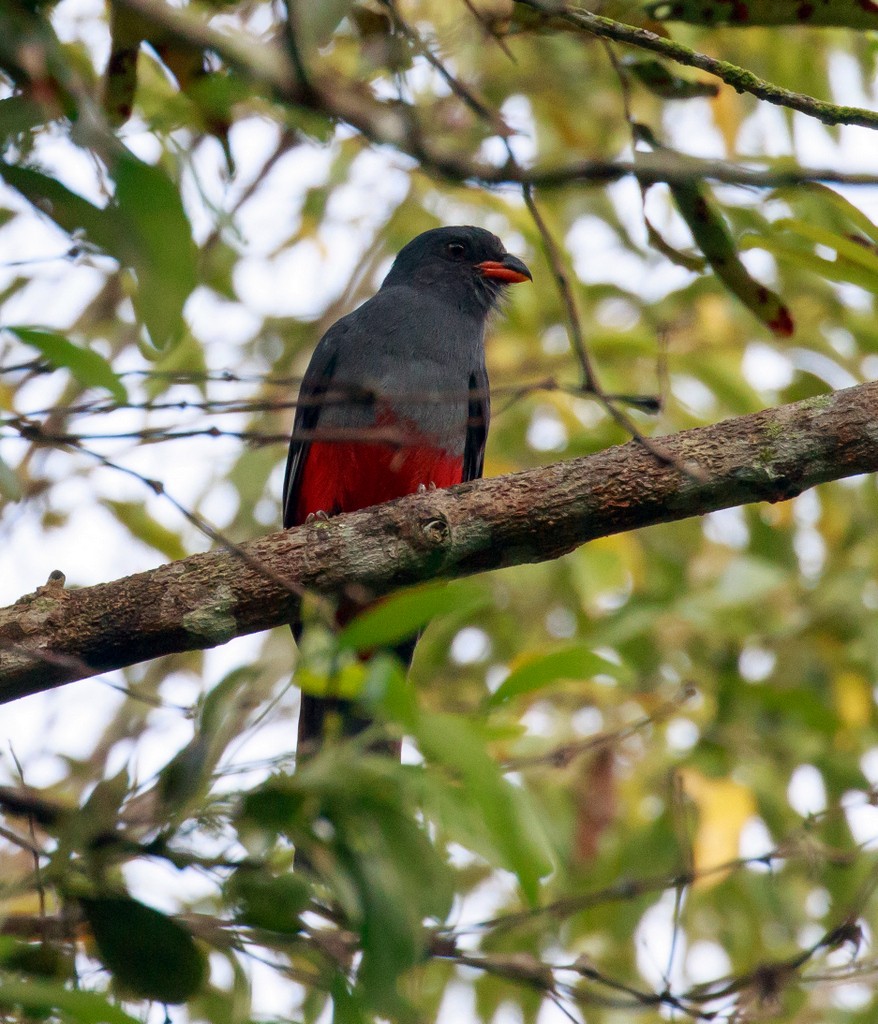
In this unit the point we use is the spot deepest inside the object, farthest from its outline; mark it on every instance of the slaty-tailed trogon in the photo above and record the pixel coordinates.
(408, 367)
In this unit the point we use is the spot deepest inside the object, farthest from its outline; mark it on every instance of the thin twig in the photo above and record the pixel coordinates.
(464, 92)
(11, 836)
(561, 756)
(209, 531)
(590, 383)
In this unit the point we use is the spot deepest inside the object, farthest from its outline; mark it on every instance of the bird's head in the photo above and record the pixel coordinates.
(467, 264)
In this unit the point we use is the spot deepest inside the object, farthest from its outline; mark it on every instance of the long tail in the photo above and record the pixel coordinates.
(323, 718)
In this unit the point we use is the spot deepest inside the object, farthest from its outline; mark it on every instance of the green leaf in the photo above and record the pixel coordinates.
(402, 615)
(346, 1004)
(99, 815)
(828, 197)
(273, 808)
(218, 707)
(268, 901)
(140, 524)
(574, 662)
(35, 997)
(68, 210)
(505, 810)
(144, 228)
(799, 258)
(315, 23)
(713, 238)
(375, 857)
(36, 959)
(184, 776)
(659, 80)
(399, 879)
(387, 685)
(19, 114)
(158, 244)
(10, 485)
(846, 247)
(147, 952)
(87, 366)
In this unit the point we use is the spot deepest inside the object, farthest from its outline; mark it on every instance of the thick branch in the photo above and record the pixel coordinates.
(207, 599)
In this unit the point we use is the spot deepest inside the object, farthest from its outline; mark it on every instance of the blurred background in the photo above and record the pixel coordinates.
(686, 779)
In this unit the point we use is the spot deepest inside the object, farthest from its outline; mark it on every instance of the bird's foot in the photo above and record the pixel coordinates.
(322, 516)
(423, 488)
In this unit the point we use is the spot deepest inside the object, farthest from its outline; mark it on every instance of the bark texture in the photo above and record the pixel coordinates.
(57, 635)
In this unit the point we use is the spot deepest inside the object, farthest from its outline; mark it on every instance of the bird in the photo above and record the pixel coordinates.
(395, 400)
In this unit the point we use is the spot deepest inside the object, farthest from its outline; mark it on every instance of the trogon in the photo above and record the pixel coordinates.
(395, 398)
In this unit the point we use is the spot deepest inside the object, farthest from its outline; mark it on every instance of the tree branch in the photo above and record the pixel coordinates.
(396, 124)
(740, 79)
(830, 13)
(57, 635)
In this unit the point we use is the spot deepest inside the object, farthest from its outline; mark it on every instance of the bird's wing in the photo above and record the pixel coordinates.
(478, 418)
(315, 384)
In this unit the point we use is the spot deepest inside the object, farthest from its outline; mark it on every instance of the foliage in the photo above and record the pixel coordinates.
(638, 780)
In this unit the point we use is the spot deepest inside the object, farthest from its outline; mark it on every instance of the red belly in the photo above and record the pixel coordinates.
(343, 477)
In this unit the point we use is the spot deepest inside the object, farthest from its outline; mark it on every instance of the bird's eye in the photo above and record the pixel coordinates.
(455, 249)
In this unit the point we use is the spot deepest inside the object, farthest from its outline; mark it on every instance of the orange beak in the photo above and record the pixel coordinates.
(509, 270)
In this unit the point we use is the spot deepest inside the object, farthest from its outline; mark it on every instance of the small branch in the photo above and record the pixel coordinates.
(556, 262)
(464, 93)
(738, 78)
(28, 803)
(590, 383)
(51, 928)
(561, 756)
(11, 836)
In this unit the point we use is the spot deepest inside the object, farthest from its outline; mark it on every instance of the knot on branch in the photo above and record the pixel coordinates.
(436, 531)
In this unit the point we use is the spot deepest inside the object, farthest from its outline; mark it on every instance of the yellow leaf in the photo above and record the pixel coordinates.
(853, 699)
(728, 113)
(627, 548)
(724, 807)
(346, 682)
